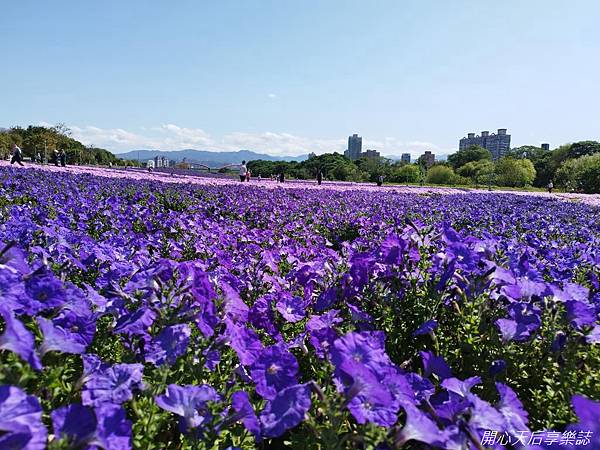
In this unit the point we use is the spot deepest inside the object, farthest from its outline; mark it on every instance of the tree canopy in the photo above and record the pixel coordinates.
(469, 154)
(44, 140)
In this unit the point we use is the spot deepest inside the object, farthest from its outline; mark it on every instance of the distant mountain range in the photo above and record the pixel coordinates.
(211, 159)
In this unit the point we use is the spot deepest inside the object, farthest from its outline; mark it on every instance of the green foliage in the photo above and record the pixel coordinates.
(440, 175)
(472, 153)
(514, 172)
(409, 173)
(44, 140)
(583, 148)
(477, 172)
(580, 174)
(333, 166)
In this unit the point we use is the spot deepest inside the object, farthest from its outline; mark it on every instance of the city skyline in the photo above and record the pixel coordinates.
(276, 79)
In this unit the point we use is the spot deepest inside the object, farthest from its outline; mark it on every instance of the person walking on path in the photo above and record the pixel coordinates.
(319, 177)
(248, 175)
(55, 157)
(243, 171)
(550, 186)
(380, 180)
(63, 158)
(281, 177)
(17, 155)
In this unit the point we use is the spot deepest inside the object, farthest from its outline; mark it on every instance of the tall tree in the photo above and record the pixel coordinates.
(466, 155)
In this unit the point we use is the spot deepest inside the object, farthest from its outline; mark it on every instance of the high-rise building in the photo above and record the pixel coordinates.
(161, 161)
(497, 144)
(370, 154)
(546, 147)
(428, 158)
(354, 147)
(405, 158)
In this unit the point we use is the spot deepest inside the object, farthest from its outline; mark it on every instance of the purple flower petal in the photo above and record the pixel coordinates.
(286, 410)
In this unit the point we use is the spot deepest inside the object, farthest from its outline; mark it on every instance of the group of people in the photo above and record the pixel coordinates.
(58, 157)
(245, 175)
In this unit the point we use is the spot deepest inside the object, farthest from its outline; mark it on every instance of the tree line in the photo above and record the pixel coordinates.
(572, 167)
(43, 141)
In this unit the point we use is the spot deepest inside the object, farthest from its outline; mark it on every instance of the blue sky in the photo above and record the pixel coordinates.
(288, 77)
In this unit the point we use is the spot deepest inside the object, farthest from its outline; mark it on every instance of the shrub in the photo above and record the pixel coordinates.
(580, 174)
(514, 172)
(440, 175)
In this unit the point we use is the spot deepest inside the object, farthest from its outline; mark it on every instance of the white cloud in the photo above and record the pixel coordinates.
(272, 95)
(174, 137)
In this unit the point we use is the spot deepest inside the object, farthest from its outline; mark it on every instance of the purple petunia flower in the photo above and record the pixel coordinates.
(170, 344)
(286, 410)
(244, 412)
(76, 423)
(329, 319)
(436, 365)
(273, 370)
(571, 292)
(358, 315)
(12, 291)
(109, 384)
(261, 315)
(366, 348)
(244, 341)
(291, 308)
(587, 412)
(322, 340)
(581, 314)
(13, 259)
(18, 339)
(594, 336)
(44, 292)
(484, 416)
(135, 323)
(462, 388)
(368, 400)
(512, 409)
(327, 298)
(69, 332)
(188, 402)
(426, 327)
(419, 427)
(233, 306)
(212, 359)
(21, 424)
(114, 429)
(512, 330)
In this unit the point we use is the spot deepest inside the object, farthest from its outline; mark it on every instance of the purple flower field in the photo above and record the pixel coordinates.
(148, 311)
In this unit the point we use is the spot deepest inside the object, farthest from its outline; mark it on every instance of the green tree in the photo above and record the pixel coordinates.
(583, 148)
(478, 172)
(514, 172)
(531, 152)
(440, 175)
(5, 145)
(580, 174)
(408, 173)
(471, 153)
